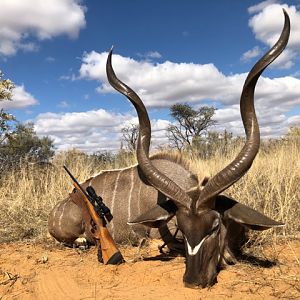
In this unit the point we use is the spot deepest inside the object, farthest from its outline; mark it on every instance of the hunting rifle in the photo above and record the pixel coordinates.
(100, 215)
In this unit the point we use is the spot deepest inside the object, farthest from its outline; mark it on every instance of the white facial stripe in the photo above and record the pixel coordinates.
(194, 251)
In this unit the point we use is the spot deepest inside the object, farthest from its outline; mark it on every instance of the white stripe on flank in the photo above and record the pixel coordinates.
(103, 186)
(61, 215)
(193, 251)
(139, 197)
(130, 192)
(113, 201)
(113, 170)
(54, 216)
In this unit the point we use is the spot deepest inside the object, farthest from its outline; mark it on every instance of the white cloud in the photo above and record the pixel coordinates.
(63, 104)
(161, 85)
(71, 77)
(153, 54)
(260, 6)
(293, 121)
(77, 121)
(21, 20)
(91, 131)
(267, 24)
(252, 53)
(100, 130)
(273, 119)
(50, 59)
(159, 134)
(150, 55)
(21, 98)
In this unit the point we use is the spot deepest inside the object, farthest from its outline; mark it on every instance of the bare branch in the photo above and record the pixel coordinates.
(130, 135)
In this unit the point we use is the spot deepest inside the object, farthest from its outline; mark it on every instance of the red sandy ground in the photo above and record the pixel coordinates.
(50, 271)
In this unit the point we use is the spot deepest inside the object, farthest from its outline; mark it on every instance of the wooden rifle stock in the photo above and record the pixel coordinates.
(111, 255)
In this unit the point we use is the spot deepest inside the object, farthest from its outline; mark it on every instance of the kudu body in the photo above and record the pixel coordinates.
(163, 188)
(128, 194)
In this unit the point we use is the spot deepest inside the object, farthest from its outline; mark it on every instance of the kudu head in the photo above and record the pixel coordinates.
(203, 226)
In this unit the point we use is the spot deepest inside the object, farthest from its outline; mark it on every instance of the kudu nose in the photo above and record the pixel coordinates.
(191, 285)
(199, 285)
(195, 283)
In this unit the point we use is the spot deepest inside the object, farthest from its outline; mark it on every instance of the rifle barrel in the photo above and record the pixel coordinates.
(77, 183)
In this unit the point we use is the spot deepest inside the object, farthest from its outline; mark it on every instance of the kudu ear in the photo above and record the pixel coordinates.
(154, 217)
(243, 214)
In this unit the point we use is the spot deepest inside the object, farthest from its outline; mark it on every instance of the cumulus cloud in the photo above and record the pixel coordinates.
(274, 121)
(266, 24)
(260, 6)
(22, 20)
(293, 121)
(91, 131)
(100, 130)
(161, 85)
(21, 99)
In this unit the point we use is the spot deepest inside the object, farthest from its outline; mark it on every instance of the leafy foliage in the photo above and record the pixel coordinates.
(293, 134)
(190, 133)
(191, 125)
(6, 88)
(24, 143)
(216, 144)
(6, 119)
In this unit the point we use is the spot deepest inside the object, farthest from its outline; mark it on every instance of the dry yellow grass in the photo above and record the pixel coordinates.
(271, 186)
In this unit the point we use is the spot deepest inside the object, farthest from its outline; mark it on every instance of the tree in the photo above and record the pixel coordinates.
(24, 143)
(293, 133)
(6, 119)
(5, 125)
(216, 143)
(130, 135)
(191, 125)
(6, 88)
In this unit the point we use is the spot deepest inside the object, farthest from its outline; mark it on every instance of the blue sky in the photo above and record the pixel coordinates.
(169, 51)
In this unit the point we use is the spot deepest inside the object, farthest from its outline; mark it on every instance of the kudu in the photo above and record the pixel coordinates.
(164, 187)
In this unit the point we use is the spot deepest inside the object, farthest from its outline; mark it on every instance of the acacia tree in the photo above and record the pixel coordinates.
(191, 125)
(130, 135)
